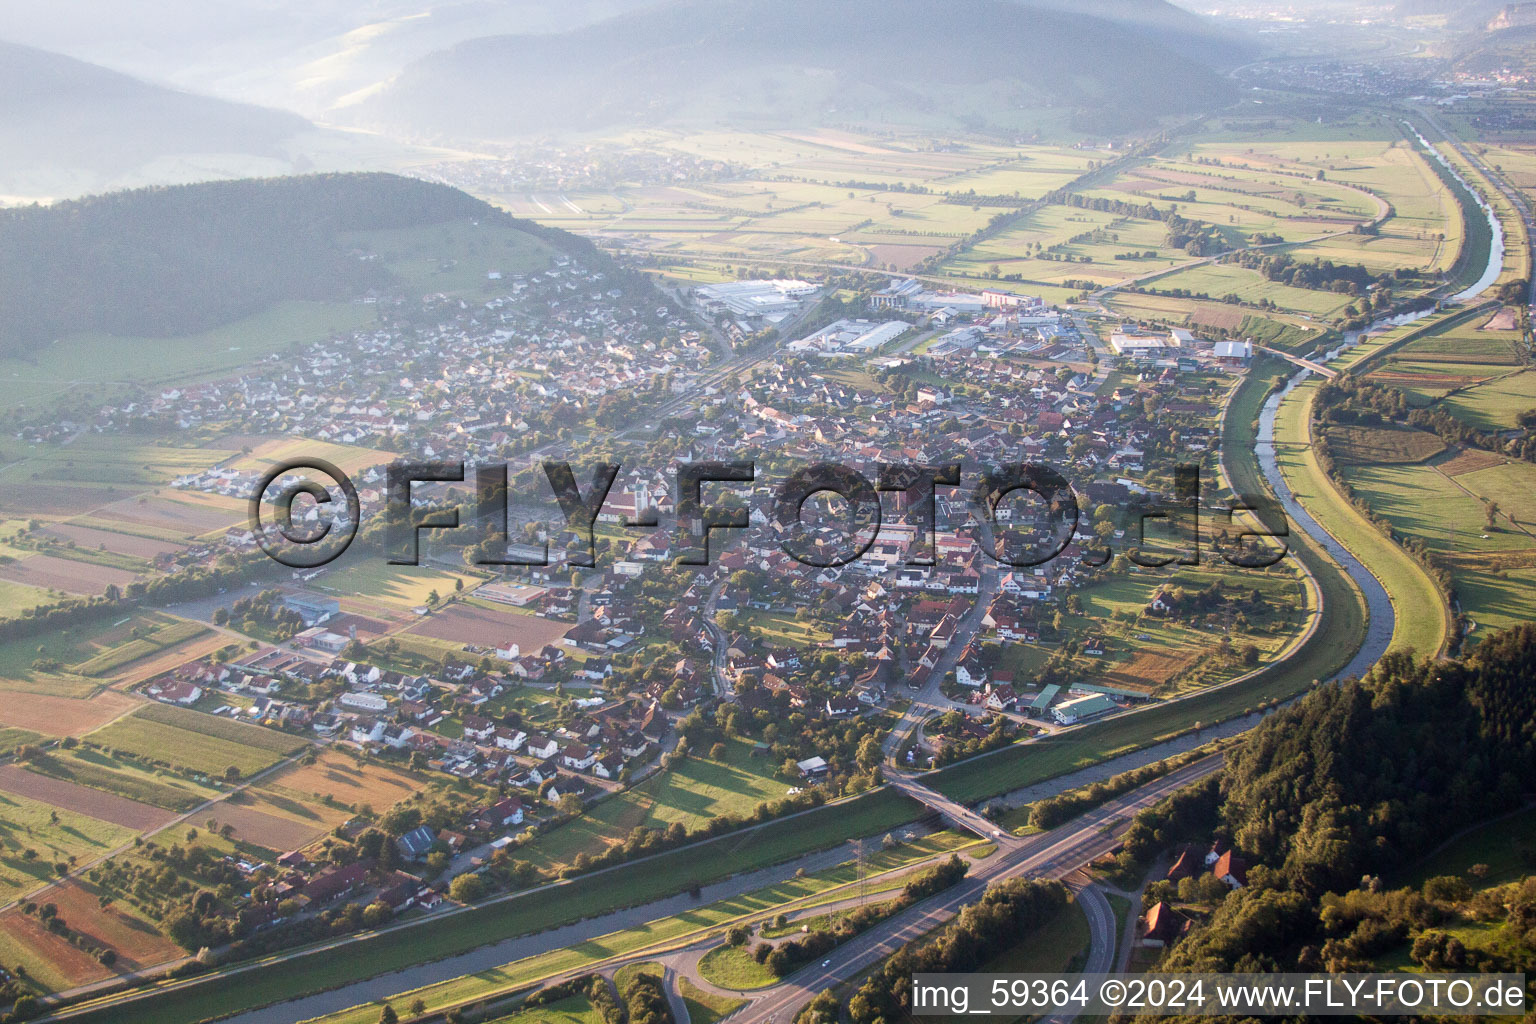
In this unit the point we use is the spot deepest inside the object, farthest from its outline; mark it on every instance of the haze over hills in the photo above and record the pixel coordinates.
(67, 123)
(303, 55)
(310, 56)
(1169, 25)
(787, 59)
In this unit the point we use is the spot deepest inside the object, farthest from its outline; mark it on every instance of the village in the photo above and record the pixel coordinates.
(552, 689)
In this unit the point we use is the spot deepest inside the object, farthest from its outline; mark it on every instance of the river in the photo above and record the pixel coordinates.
(1495, 264)
(1382, 618)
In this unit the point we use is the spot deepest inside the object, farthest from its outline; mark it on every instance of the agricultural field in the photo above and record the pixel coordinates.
(69, 575)
(53, 963)
(127, 462)
(1475, 365)
(18, 597)
(35, 837)
(1311, 193)
(1444, 502)
(122, 776)
(11, 739)
(1156, 656)
(1374, 446)
(1057, 243)
(371, 580)
(296, 806)
(1369, 154)
(1494, 404)
(275, 823)
(886, 202)
(52, 665)
(1220, 279)
(348, 784)
(94, 366)
(195, 742)
(260, 456)
(169, 515)
(72, 796)
(67, 661)
(692, 791)
(142, 548)
(172, 634)
(463, 623)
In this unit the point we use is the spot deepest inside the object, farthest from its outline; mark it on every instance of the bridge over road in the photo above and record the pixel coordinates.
(953, 812)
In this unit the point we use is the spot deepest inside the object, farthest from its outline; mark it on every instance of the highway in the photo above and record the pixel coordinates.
(1054, 854)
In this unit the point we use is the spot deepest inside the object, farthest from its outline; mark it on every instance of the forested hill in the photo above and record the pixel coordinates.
(167, 261)
(1361, 777)
(1345, 792)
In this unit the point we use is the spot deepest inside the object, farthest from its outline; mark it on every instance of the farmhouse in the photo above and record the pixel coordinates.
(813, 768)
(1231, 869)
(174, 691)
(415, 843)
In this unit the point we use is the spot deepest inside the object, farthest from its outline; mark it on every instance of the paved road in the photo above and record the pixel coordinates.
(679, 1008)
(1101, 929)
(929, 700)
(1101, 938)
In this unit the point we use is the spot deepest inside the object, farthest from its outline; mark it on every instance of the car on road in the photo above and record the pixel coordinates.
(826, 963)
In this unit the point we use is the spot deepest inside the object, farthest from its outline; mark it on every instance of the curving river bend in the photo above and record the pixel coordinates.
(1382, 617)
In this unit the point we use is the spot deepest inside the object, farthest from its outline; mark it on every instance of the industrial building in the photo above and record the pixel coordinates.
(754, 300)
(850, 337)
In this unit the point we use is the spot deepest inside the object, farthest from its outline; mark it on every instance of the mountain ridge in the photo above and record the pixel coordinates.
(685, 59)
(101, 125)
